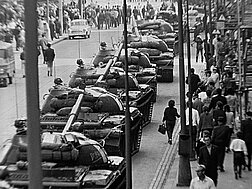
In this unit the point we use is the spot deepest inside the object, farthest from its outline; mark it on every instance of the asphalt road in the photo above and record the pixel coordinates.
(145, 164)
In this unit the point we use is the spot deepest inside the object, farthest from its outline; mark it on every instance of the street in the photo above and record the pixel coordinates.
(12, 98)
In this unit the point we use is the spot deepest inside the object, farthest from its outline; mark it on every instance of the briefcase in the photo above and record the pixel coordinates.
(162, 129)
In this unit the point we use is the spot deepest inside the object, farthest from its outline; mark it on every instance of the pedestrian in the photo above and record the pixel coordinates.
(129, 13)
(16, 33)
(195, 80)
(217, 98)
(57, 28)
(205, 121)
(200, 142)
(197, 104)
(143, 11)
(43, 44)
(22, 58)
(208, 157)
(194, 126)
(247, 133)
(169, 119)
(199, 47)
(232, 100)
(49, 58)
(202, 181)
(215, 77)
(239, 149)
(101, 19)
(219, 112)
(206, 101)
(135, 12)
(220, 138)
(52, 29)
(230, 122)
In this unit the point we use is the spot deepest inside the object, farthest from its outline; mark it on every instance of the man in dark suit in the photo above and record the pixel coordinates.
(246, 128)
(220, 138)
(208, 157)
(49, 58)
(217, 98)
(195, 80)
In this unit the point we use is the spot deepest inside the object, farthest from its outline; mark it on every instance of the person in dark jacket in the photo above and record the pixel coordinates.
(218, 97)
(169, 119)
(246, 128)
(220, 138)
(195, 80)
(208, 156)
(219, 112)
(206, 120)
(49, 58)
(52, 29)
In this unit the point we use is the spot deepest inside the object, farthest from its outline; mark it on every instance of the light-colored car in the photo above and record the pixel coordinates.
(79, 27)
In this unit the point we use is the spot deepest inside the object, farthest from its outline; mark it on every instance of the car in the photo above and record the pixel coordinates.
(79, 27)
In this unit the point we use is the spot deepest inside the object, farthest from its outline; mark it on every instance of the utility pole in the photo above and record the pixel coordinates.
(184, 173)
(210, 27)
(47, 11)
(192, 152)
(61, 16)
(127, 114)
(239, 59)
(206, 37)
(32, 95)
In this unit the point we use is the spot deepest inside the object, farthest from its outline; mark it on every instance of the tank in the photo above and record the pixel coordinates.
(68, 161)
(100, 117)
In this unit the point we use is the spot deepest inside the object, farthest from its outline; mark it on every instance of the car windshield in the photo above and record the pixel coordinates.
(79, 23)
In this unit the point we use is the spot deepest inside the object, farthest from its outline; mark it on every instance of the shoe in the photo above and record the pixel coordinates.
(48, 73)
(240, 176)
(249, 169)
(236, 176)
(222, 170)
(170, 141)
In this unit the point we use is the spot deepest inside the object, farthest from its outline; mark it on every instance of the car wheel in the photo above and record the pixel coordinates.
(69, 37)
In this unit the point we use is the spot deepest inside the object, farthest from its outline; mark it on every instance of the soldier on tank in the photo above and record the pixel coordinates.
(58, 84)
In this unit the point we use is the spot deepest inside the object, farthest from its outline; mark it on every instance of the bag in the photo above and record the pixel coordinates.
(162, 129)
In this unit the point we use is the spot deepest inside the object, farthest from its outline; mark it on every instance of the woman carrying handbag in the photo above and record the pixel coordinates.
(169, 119)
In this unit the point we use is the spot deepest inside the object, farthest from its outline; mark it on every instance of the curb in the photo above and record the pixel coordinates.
(61, 39)
(165, 164)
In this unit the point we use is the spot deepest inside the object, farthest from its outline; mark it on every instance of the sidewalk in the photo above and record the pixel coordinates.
(226, 180)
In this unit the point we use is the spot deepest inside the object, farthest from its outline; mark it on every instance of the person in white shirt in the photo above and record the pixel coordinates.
(239, 149)
(195, 123)
(216, 78)
(202, 181)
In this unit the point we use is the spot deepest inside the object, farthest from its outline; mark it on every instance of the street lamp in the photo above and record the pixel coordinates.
(210, 27)
(184, 174)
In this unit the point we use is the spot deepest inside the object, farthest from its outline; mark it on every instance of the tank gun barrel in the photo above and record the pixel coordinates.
(73, 114)
(110, 63)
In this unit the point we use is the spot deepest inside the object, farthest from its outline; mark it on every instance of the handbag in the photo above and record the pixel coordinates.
(162, 129)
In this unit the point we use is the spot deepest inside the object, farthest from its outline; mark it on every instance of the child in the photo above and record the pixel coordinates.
(239, 149)
(169, 117)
